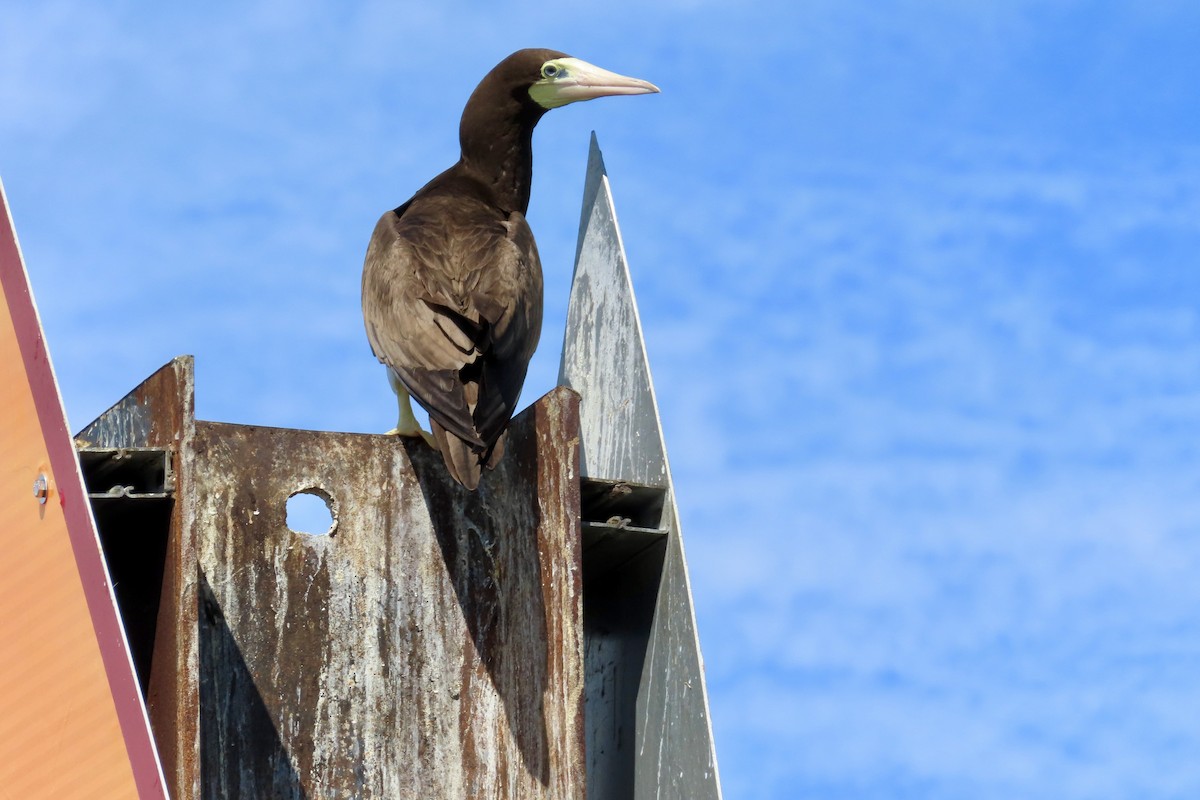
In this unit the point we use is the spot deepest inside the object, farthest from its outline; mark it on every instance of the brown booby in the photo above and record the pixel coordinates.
(452, 283)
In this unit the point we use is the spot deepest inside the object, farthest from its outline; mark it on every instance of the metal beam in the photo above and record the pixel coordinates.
(647, 710)
(146, 543)
(431, 645)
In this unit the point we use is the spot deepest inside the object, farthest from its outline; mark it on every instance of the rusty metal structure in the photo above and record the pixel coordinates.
(533, 639)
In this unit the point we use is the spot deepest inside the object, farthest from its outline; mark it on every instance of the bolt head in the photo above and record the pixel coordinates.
(41, 489)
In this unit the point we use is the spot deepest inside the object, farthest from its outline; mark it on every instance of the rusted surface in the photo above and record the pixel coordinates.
(160, 413)
(431, 647)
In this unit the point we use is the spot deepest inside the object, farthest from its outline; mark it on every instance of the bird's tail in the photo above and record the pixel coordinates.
(464, 461)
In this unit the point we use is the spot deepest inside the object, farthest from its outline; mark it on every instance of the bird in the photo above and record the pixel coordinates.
(452, 281)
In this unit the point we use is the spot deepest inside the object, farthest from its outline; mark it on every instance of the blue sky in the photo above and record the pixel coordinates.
(920, 290)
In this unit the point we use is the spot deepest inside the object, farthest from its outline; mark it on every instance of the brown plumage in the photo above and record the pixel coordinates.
(452, 284)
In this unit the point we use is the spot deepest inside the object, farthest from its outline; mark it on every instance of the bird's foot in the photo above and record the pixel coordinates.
(413, 431)
(406, 422)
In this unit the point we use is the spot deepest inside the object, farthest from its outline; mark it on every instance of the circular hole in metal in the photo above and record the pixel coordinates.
(310, 511)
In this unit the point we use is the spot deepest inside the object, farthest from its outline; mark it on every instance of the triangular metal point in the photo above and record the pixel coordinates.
(621, 446)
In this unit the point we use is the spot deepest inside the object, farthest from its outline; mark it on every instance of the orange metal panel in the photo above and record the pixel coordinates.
(72, 722)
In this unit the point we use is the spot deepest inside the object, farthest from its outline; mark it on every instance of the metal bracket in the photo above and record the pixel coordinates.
(134, 473)
(620, 521)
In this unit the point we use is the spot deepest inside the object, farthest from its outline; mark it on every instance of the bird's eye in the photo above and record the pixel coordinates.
(550, 70)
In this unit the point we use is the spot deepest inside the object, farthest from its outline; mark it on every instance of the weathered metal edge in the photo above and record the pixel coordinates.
(160, 413)
(674, 609)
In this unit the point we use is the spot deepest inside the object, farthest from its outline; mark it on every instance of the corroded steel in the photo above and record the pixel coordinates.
(159, 413)
(647, 711)
(430, 647)
(438, 643)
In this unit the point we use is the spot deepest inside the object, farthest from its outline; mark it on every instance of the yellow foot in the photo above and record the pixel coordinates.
(407, 424)
(411, 433)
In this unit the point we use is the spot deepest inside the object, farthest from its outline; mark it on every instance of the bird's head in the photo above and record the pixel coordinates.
(561, 80)
(498, 121)
(538, 80)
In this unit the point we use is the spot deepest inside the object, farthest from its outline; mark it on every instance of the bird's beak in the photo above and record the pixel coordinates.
(574, 80)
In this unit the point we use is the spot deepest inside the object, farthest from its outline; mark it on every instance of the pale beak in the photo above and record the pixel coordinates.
(580, 80)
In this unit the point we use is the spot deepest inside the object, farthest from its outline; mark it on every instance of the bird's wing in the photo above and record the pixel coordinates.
(452, 303)
(516, 326)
